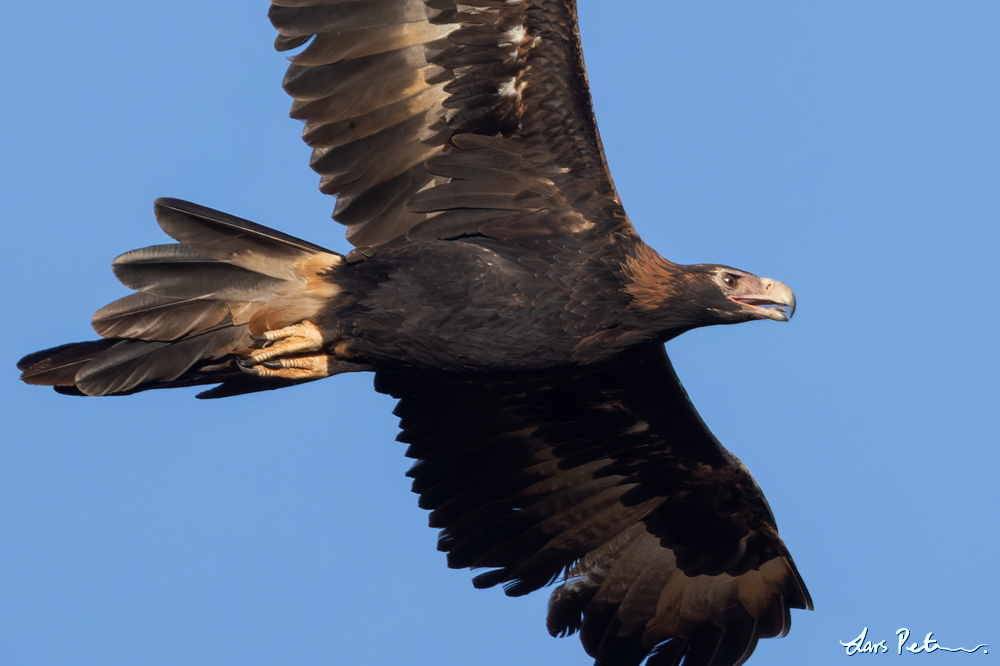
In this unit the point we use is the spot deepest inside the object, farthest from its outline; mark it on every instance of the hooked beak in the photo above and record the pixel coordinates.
(767, 299)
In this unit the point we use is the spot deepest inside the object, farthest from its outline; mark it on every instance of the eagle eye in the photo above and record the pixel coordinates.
(730, 280)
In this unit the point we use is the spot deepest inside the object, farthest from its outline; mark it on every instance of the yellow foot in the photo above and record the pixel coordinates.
(298, 368)
(294, 339)
(291, 354)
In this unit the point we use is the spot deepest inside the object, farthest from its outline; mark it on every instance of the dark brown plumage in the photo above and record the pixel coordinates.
(500, 293)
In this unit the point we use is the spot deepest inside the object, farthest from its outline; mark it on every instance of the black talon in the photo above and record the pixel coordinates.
(261, 339)
(247, 368)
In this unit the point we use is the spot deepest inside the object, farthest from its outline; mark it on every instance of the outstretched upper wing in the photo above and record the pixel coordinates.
(612, 483)
(387, 87)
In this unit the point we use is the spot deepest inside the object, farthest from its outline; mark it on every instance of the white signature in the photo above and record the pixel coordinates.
(860, 645)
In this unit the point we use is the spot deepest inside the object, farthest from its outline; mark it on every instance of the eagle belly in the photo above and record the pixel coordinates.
(473, 306)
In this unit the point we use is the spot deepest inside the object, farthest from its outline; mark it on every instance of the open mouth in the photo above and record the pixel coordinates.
(778, 311)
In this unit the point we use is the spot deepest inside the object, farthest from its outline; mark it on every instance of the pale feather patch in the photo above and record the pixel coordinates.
(316, 271)
(753, 592)
(328, 48)
(300, 300)
(592, 567)
(508, 88)
(512, 37)
(637, 427)
(579, 224)
(689, 600)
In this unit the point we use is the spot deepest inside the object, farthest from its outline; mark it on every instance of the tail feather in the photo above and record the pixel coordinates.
(132, 363)
(176, 271)
(58, 366)
(144, 316)
(192, 308)
(233, 240)
(228, 379)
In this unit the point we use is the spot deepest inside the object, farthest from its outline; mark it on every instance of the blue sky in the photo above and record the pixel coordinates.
(850, 149)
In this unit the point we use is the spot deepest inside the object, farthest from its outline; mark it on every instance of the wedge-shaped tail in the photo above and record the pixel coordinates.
(198, 303)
